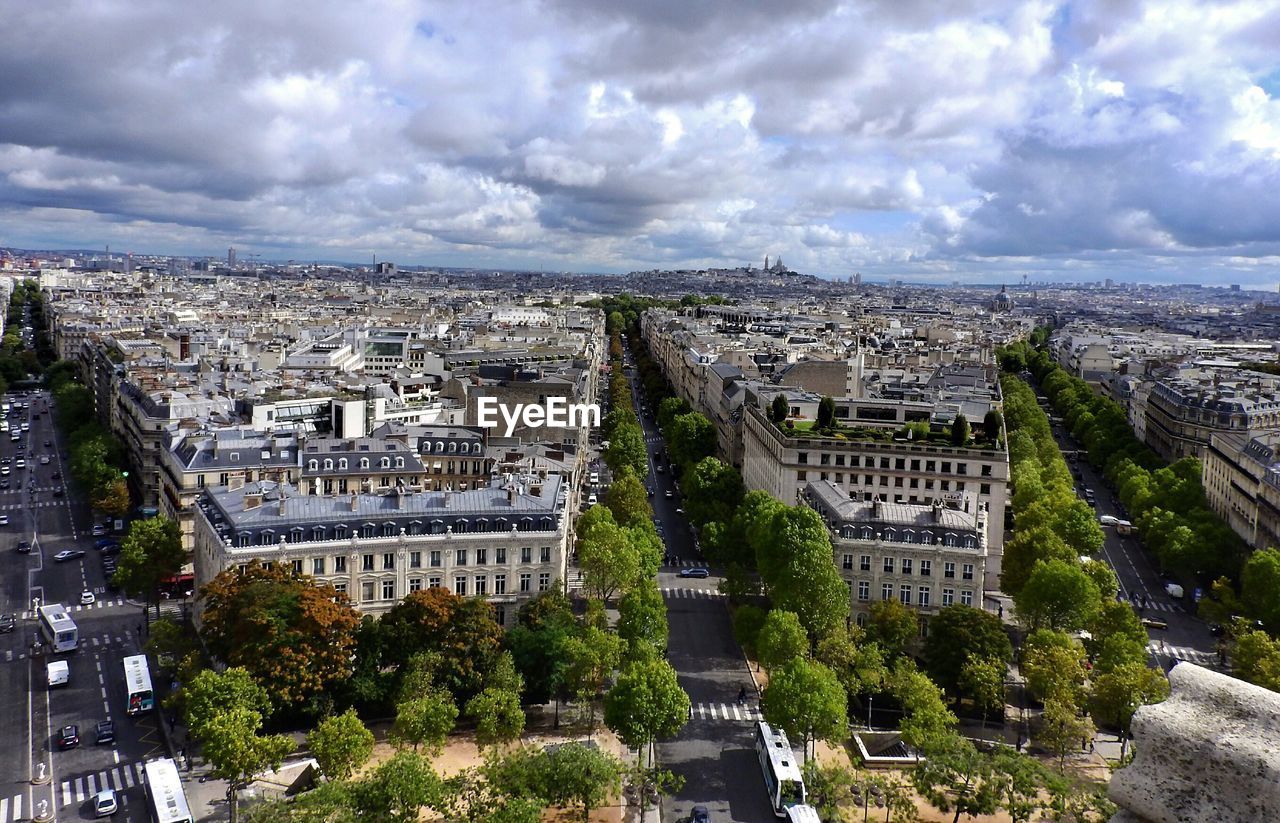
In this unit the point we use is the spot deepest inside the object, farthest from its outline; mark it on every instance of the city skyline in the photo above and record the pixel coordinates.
(1068, 142)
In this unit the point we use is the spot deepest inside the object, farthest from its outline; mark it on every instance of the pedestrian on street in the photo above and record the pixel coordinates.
(742, 695)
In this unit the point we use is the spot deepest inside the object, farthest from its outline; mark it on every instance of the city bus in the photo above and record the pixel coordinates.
(58, 627)
(782, 778)
(165, 798)
(137, 681)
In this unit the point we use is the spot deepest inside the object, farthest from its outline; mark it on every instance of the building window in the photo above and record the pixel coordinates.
(984, 488)
(366, 591)
(388, 590)
(544, 581)
(340, 587)
(848, 562)
(460, 586)
(389, 530)
(500, 554)
(317, 565)
(388, 561)
(966, 597)
(948, 596)
(923, 593)
(415, 560)
(904, 594)
(297, 567)
(366, 563)
(368, 530)
(862, 619)
(526, 555)
(525, 579)
(460, 557)
(339, 565)
(864, 563)
(482, 557)
(499, 584)
(864, 590)
(415, 584)
(906, 565)
(949, 570)
(340, 532)
(986, 471)
(888, 565)
(481, 584)
(886, 591)
(802, 476)
(802, 458)
(545, 554)
(926, 568)
(966, 572)
(436, 560)
(500, 615)
(434, 582)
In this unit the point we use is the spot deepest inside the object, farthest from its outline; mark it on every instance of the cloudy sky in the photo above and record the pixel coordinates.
(924, 139)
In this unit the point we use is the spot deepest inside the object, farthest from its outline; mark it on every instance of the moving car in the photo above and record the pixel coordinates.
(87, 598)
(68, 737)
(99, 530)
(591, 499)
(4, 519)
(697, 571)
(105, 732)
(66, 554)
(1152, 623)
(669, 494)
(7, 623)
(104, 803)
(23, 547)
(44, 460)
(1108, 520)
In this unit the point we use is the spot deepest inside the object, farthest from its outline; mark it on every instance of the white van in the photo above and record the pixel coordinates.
(59, 673)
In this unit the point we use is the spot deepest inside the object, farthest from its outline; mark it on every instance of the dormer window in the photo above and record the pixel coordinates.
(342, 464)
(312, 465)
(399, 462)
(364, 462)
(385, 462)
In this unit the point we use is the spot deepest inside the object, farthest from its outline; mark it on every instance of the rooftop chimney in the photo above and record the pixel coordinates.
(235, 482)
(252, 500)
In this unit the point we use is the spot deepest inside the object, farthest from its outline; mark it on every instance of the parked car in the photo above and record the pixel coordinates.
(98, 530)
(697, 571)
(105, 732)
(68, 737)
(67, 554)
(23, 547)
(7, 623)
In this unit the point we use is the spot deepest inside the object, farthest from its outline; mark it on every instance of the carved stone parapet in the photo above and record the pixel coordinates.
(1211, 752)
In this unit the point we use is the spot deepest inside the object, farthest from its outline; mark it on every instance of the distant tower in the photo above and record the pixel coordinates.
(231, 257)
(766, 262)
(857, 279)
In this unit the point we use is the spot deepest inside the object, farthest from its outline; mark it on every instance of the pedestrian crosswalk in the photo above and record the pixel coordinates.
(79, 789)
(681, 593)
(96, 641)
(741, 712)
(1166, 651)
(37, 504)
(100, 603)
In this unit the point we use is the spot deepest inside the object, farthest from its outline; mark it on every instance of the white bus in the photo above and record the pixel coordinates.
(782, 778)
(58, 627)
(165, 798)
(137, 682)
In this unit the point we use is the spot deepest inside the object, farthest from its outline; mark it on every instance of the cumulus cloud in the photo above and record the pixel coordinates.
(951, 139)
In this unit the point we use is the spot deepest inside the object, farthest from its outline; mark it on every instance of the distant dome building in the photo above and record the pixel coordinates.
(1002, 302)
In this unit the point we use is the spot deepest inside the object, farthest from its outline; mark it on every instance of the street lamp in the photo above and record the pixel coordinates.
(870, 700)
(865, 795)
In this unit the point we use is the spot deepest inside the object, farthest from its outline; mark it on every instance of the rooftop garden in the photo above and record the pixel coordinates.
(826, 427)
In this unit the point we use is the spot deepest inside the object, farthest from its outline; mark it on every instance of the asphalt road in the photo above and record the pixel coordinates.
(32, 713)
(1187, 637)
(715, 752)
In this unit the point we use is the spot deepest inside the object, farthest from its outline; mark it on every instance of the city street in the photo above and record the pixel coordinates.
(715, 752)
(1187, 637)
(43, 511)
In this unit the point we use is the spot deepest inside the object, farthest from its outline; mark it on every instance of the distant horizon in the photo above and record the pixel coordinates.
(1067, 140)
(877, 280)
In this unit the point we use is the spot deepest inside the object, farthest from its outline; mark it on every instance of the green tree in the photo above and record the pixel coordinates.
(748, 620)
(712, 492)
(329, 802)
(960, 430)
(398, 789)
(646, 704)
(926, 718)
(993, 425)
(1117, 695)
(575, 774)
(826, 413)
(794, 557)
(497, 715)
(340, 744)
(294, 634)
(1260, 587)
(424, 720)
(462, 631)
(893, 626)
(692, 438)
(983, 680)
(1256, 659)
(1059, 595)
(591, 655)
(668, 410)
(627, 450)
(606, 554)
(628, 500)
(642, 617)
(858, 663)
(1028, 546)
(211, 694)
(955, 777)
(779, 408)
(959, 633)
(236, 752)
(1054, 665)
(781, 640)
(1061, 726)
(805, 699)
(149, 554)
(1022, 784)
(470, 796)
(1116, 637)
